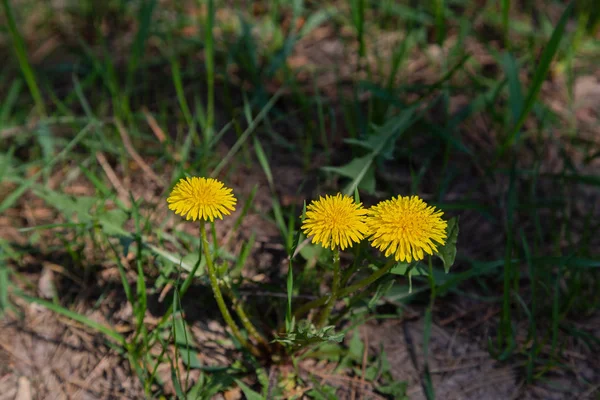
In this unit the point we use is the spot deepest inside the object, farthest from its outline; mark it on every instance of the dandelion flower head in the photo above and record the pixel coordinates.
(406, 227)
(335, 221)
(201, 198)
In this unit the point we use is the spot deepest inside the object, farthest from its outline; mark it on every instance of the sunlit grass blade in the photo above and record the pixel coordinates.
(104, 329)
(249, 130)
(14, 196)
(247, 205)
(277, 210)
(245, 252)
(123, 275)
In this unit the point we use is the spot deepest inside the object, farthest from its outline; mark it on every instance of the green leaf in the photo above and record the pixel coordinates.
(190, 357)
(361, 170)
(82, 207)
(356, 347)
(65, 204)
(306, 333)
(356, 195)
(112, 222)
(264, 162)
(299, 235)
(382, 290)
(395, 389)
(322, 392)
(244, 136)
(447, 253)
(317, 18)
(515, 95)
(174, 258)
(401, 268)
(249, 393)
(311, 251)
(46, 141)
(383, 139)
(409, 270)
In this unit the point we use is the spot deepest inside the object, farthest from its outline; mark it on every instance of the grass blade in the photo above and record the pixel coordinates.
(242, 139)
(10, 100)
(209, 62)
(515, 95)
(21, 51)
(18, 192)
(4, 284)
(539, 76)
(104, 329)
(505, 25)
(277, 210)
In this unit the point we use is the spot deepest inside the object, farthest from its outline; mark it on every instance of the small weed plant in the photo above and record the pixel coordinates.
(405, 230)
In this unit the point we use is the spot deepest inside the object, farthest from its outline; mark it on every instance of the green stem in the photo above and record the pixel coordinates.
(350, 271)
(432, 284)
(335, 289)
(352, 288)
(241, 313)
(217, 290)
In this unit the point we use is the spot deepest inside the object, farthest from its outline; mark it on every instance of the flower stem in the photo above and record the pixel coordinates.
(241, 313)
(334, 291)
(217, 290)
(352, 288)
(432, 284)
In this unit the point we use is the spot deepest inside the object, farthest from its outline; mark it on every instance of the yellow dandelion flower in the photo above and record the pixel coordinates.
(335, 221)
(201, 198)
(406, 227)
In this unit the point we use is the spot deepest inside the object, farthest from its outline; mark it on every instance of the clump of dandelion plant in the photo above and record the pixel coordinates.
(404, 229)
(205, 199)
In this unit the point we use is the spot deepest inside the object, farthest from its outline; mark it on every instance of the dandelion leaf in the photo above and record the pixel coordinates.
(447, 252)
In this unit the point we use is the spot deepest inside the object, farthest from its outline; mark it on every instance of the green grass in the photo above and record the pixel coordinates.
(458, 112)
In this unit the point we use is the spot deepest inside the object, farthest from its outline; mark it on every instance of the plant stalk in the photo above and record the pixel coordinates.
(352, 288)
(241, 313)
(214, 283)
(335, 289)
